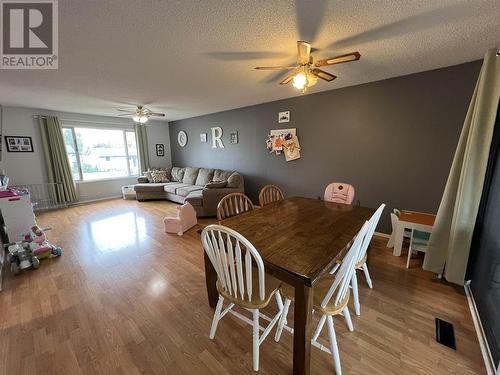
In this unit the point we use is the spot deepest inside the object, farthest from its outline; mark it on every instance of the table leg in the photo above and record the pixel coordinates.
(211, 279)
(398, 239)
(302, 334)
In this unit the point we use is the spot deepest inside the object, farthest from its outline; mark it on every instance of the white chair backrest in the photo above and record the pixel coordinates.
(369, 234)
(343, 276)
(394, 220)
(226, 249)
(397, 212)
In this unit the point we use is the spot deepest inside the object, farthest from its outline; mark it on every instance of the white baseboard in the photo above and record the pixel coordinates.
(94, 200)
(483, 343)
(385, 235)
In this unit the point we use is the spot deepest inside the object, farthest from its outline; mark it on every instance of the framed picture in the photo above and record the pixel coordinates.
(18, 144)
(284, 116)
(203, 137)
(160, 149)
(233, 137)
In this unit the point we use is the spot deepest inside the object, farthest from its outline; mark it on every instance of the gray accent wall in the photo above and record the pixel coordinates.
(394, 140)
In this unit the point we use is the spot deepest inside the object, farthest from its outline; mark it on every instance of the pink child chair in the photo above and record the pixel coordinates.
(186, 219)
(339, 193)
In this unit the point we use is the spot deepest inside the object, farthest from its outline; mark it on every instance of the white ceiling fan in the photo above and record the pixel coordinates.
(306, 73)
(140, 114)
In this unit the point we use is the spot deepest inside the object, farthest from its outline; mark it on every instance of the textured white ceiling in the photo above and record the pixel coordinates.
(189, 57)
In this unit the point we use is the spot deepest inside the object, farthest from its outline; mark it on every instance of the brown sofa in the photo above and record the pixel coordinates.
(198, 186)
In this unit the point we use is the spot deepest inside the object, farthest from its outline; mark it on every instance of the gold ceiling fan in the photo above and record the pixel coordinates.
(139, 114)
(306, 72)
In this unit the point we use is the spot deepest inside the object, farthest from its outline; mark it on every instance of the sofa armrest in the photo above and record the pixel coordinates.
(212, 197)
(142, 180)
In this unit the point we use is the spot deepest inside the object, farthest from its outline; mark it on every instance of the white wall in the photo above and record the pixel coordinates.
(26, 168)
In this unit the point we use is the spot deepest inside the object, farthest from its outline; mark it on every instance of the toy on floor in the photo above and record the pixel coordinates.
(39, 244)
(21, 257)
(28, 252)
(186, 219)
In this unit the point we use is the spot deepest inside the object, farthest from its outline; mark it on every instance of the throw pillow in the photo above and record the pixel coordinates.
(148, 175)
(204, 177)
(159, 176)
(177, 174)
(220, 175)
(216, 185)
(234, 181)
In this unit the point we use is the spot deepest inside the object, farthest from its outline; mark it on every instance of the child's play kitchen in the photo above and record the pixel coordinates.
(25, 241)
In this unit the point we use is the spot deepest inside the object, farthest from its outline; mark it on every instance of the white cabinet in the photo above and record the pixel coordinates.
(18, 216)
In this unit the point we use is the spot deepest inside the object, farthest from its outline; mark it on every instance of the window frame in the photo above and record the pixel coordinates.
(123, 129)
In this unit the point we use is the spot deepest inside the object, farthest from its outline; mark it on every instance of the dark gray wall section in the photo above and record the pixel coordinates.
(393, 140)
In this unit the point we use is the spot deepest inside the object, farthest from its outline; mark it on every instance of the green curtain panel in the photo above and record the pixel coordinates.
(58, 168)
(142, 142)
(450, 241)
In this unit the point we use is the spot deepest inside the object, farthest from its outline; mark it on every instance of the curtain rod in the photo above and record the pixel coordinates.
(86, 121)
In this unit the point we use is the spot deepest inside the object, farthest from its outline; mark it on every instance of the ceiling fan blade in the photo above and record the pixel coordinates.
(156, 114)
(287, 79)
(275, 67)
(126, 114)
(339, 59)
(323, 75)
(304, 52)
(125, 110)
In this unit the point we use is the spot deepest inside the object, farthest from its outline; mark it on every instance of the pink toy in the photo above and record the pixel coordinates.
(186, 219)
(339, 193)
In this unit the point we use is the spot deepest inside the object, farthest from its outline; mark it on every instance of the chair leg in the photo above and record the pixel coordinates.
(319, 328)
(347, 317)
(279, 300)
(333, 345)
(216, 318)
(354, 284)
(256, 329)
(367, 276)
(390, 243)
(282, 320)
(409, 257)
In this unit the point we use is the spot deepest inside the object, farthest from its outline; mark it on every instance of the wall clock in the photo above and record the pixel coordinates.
(182, 138)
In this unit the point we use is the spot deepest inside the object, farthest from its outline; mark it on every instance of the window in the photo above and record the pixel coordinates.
(96, 154)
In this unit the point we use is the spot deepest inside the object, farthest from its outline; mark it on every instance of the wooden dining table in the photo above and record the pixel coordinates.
(299, 239)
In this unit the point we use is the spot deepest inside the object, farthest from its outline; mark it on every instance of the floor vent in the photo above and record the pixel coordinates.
(445, 333)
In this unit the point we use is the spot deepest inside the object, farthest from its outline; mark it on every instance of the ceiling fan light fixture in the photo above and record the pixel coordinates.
(141, 119)
(299, 81)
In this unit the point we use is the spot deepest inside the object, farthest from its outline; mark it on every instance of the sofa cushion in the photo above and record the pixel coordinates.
(150, 186)
(234, 181)
(195, 198)
(216, 185)
(184, 191)
(204, 176)
(221, 175)
(190, 175)
(159, 176)
(177, 174)
(172, 187)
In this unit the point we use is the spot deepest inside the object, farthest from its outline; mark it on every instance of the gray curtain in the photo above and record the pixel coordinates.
(58, 168)
(450, 241)
(142, 143)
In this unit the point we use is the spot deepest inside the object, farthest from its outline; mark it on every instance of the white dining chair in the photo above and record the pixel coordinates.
(330, 298)
(241, 280)
(418, 243)
(361, 260)
(394, 223)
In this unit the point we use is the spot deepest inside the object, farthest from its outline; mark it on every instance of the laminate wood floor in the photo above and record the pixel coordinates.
(126, 298)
